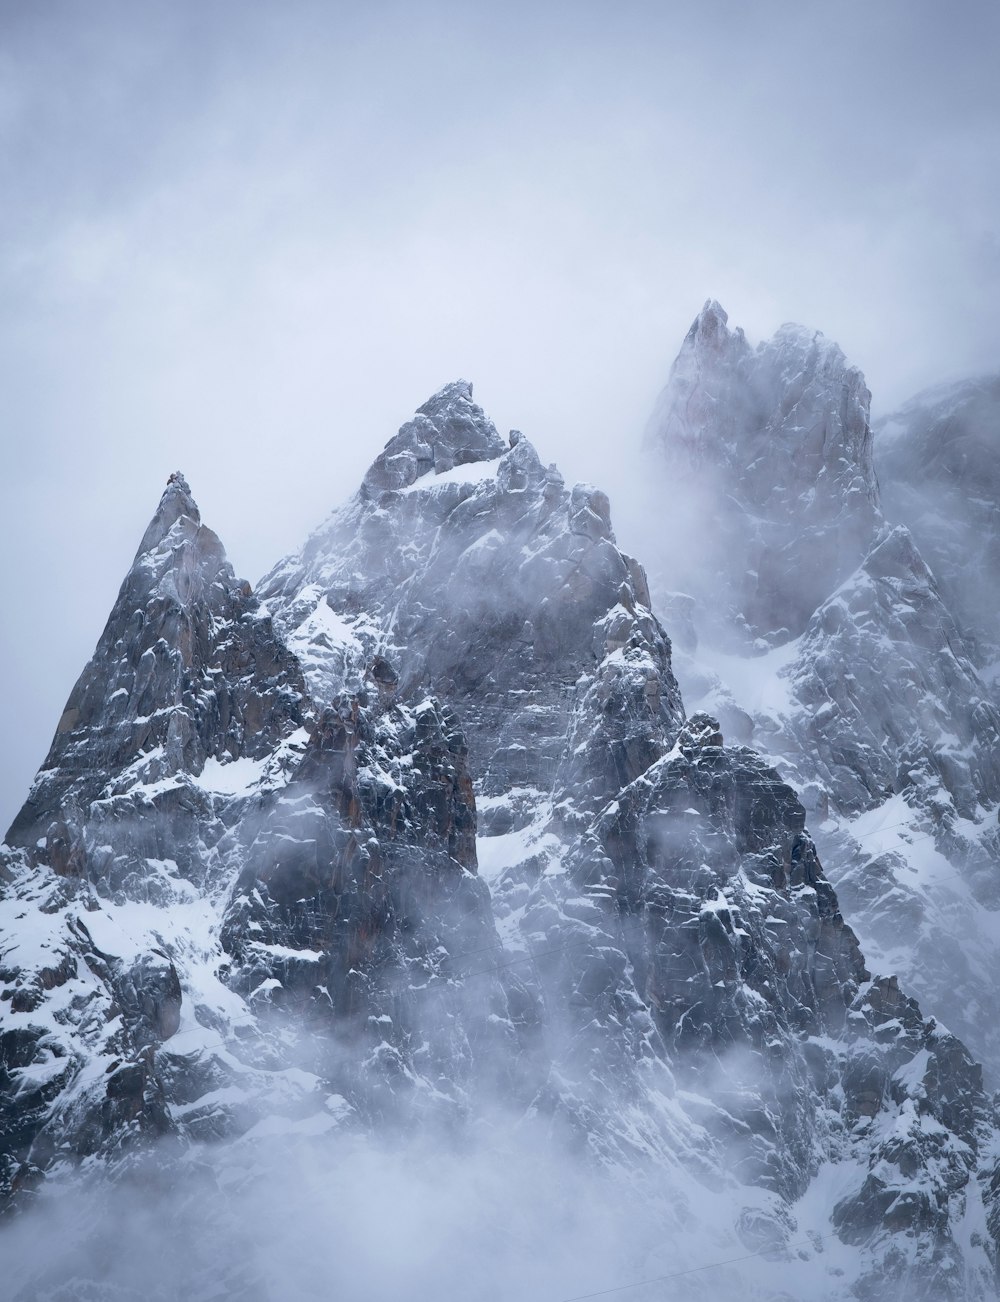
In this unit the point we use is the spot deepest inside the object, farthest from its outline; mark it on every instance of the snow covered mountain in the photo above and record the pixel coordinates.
(876, 711)
(418, 838)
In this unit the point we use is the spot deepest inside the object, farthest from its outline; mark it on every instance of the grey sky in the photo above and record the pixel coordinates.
(246, 240)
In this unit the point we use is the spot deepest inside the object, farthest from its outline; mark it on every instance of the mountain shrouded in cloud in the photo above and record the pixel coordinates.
(572, 870)
(775, 445)
(877, 696)
(415, 852)
(242, 239)
(937, 458)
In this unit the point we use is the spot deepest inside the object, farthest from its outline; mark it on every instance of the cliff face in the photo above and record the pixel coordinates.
(420, 832)
(202, 832)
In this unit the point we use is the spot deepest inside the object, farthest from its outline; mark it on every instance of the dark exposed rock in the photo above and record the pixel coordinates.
(716, 833)
(346, 848)
(150, 997)
(373, 837)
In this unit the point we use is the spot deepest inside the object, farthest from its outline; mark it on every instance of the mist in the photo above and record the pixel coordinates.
(247, 241)
(506, 1212)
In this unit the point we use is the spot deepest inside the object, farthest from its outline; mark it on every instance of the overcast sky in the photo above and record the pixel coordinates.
(246, 240)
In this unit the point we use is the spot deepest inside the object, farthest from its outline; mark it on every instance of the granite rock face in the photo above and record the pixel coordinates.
(420, 835)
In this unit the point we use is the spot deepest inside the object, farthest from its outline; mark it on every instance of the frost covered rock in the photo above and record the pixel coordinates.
(203, 849)
(760, 989)
(889, 699)
(677, 903)
(490, 584)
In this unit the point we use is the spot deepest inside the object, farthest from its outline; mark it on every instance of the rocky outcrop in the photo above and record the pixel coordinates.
(770, 452)
(488, 582)
(744, 957)
(889, 699)
(357, 897)
(231, 846)
(889, 726)
(187, 672)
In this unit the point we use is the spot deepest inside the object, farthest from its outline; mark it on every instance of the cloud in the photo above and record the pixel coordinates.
(279, 1217)
(248, 242)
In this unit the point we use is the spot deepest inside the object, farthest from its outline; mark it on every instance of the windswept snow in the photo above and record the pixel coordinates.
(469, 472)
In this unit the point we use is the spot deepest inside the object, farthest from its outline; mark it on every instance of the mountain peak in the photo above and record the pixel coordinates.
(175, 504)
(711, 325)
(710, 346)
(782, 432)
(180, 674)
(490, 763)
(446, 397)
(456, 428)
(448, 430)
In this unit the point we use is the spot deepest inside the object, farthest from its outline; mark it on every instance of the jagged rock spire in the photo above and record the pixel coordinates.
(709, 328)
(775, 445)
(446, 397)
(175, 504)
(491, 583)
(155, 699)
(700, 999)
(449, 429)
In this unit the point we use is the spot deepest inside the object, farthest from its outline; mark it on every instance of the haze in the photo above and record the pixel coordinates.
(246, 240)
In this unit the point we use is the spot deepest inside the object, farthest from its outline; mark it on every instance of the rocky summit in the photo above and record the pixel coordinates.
(773, 446)
(419, 839)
